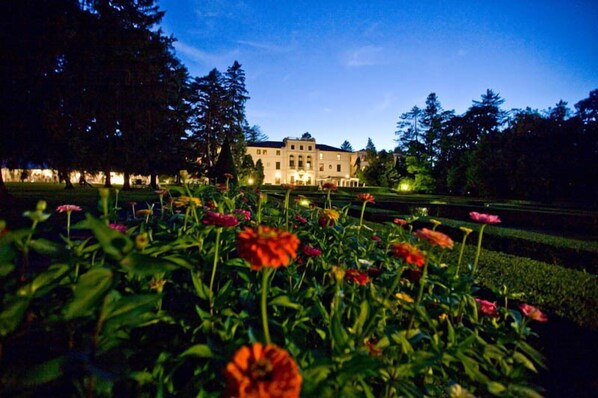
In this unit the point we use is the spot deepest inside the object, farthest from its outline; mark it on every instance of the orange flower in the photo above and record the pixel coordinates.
(409, 253)
(533, 313)
(262, 371)
(366, 197)
(400, 221)
(435, 238)
(267, 247)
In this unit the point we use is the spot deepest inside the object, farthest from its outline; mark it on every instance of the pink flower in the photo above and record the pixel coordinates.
(68, 208)
(435, 238)
(484, 218)
(300, 219)
(219, 219)
(376, 238)
(533, 313)
(228, 176)
(310, 251)
(118, 227)
(244, 215)
(486, 307)
(329, 185)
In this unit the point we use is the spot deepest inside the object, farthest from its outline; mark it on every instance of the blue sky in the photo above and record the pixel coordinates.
(348, 69)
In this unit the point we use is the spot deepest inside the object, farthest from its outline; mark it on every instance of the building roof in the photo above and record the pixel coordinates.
(280, 144)
(266, 144)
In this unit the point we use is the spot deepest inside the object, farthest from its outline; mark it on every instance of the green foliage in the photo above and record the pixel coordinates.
(145, 313)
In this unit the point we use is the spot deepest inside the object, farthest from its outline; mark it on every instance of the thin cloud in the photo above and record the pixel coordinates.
(198, 56)
(269, 47)
(364, 56)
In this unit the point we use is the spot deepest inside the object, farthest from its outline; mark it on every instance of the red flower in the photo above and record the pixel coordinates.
(435, 238)
(262, 371)
(222, 188)
(409, 253)
(400, 221)
(219, 219)
(484, 218)
(533, 313)
(228, 176)
(366, 197)
(376, 238)
(486, 307)
(300, 219)
(310, 251)
(329, 186)
(267, 247)
(356, 276)
(374, 272)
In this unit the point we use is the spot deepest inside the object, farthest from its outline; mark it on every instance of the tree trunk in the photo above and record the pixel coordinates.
(127, 181)
(154, 181)
(65, 176)
(108, 182)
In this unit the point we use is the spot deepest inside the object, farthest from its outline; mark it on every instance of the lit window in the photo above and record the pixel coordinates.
(321, 156)
(338, 156)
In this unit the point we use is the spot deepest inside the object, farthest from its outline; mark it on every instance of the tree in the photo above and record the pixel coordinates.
(346, 146)
(306, 136)
(224, 165)
(370, 151)
(254, 134)
(259, 173)
(235, 97)
(410, 130)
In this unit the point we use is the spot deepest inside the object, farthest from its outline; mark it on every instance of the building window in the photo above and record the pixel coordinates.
(278, 153)
(300, 161)
(329, 167)
(321, 166)
(308, 180)
(338, 167)
(308, 164)
(309, 148)
(338, 156)
(259, 151)
(277, 165)
(277, 181)
(265, 152)
(292, 161)
(300, 147)
(292, 147)
(321, 156)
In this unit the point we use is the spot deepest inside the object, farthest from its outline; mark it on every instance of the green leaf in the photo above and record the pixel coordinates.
(89, 291)
(13, 314)
(364, 310)
(46, 247)
(143, 265)
(201, 289)
(198, 350)
(285, 301)
(522, 359)
(54, 273)
(495, 388)
(114, 243)
(6, 269)
(44, 373)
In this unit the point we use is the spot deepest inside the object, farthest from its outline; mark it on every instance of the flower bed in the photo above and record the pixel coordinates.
(219, 293)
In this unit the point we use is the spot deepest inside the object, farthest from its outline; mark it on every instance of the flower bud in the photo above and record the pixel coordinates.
(41, 205)
(184, 174)
(338, 273)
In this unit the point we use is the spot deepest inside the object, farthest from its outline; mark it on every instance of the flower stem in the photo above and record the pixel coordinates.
(68, 225)
(465, 235)
(361, 217)
(479, 249)
(214, 265)
(286, 207)
(420, 294)
(265, 281)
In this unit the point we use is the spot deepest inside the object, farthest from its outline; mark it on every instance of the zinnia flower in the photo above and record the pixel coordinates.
(329, 186)
(328, 218)
(222, 188)
(486, 307)
(400, 221)
(366, 197)
(533, 313)
(184, 201)
(229, 176)
(262, 371)
(310, 251)
(219, 219)
(118, 227)
(409, 253)
(300, 219)
(267, 247)
(244, 215)
(142, 240)
(435, 238)
(484, 218)
(376, 238)
(68, 208)
(404, 297)
(356, 276)
(143, 212)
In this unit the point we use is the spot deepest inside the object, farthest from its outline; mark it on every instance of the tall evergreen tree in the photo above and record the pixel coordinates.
(346, 146)
(254, 134)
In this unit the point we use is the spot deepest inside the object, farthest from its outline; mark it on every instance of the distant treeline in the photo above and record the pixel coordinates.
(549, 155)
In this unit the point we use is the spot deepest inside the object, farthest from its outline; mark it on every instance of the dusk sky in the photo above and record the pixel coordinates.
(348, 69)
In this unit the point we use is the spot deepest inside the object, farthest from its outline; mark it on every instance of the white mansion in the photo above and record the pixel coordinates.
(301, 161)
